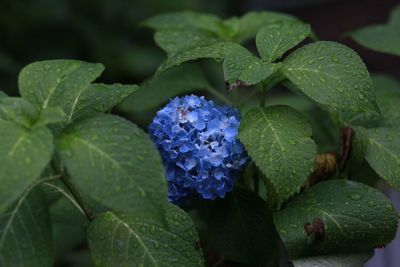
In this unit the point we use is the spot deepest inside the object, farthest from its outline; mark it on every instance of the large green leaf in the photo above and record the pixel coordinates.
(24, 154)
(381, 38)
(278, 140)
(114, 162)
(343, 260)
(129, 240)
(25, 233)
(383, 153)
(56, 82)
(240, 228)
(18, 110)
(277, 38)
(332, 75)
(189, 44)
(241, 65)
(67, 83)
(336, 216)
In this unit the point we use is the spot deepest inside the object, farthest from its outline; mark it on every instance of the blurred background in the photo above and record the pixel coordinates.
(110, 32)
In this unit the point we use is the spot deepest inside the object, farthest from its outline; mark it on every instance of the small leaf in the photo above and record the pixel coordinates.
(240, 228)
(18, 110)
(241, 65)
(2, 94)
(342, 260)
(115, 163)
(23, 156)
(247, 26)
(25, 233)
(277, 38)
(332, 75)
(122, 240)
(278, 140)
(381, 38)
(51, 115)
(336, 216)
(324, 132)
(383, 153)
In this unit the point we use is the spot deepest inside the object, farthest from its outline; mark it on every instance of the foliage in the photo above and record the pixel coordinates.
(68, 165)
(383, 38)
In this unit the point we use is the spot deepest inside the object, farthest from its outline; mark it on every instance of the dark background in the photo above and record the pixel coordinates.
(109, 31)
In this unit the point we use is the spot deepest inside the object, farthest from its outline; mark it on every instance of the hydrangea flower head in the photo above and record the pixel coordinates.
(197, 141)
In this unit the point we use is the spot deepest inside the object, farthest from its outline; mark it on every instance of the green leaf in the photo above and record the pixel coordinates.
(188, 44)
(240, 228)
(383, 153)
(342, 260)
(332, 75)
(385, 83)
(278, 140)
(389, 105)
(241, 65)
(247, 26)
(161, 88)
(336, 216)
(324, 132)
(67, 83)
(183, 20)
(115, 163)
(100, 98)
(56, 82)
(277, 38)
(381, 38)
(51, 115)
(121, 240)
(18, 110)
(23, 155)
(387, 91)
(25, 233)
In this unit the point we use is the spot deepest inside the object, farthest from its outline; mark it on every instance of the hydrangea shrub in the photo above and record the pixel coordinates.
(284, 161)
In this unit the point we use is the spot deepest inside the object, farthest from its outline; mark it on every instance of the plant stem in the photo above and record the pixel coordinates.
(219, 95)
(256, 184)
(67, 196)
(75, 193)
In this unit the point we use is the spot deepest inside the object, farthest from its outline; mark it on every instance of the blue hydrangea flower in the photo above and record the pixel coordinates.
(197, 141)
